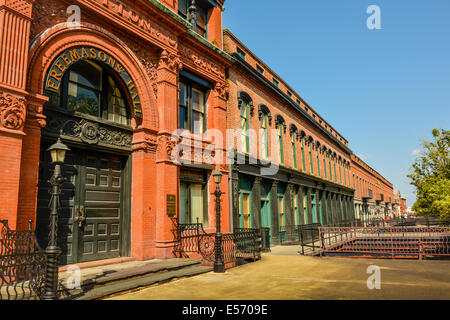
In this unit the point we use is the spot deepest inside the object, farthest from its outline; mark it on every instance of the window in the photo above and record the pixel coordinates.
(192, 108)
(318, 159)
(294, 153)
(335, 174)
(314, 205)
(275, 82)
(289, 94)
(240, 53)
(245, 213)
(311, 157)
(245, 138)
(340, 172)
(329, 163)
(89, 88)
(280, 144)
(202, 15)
(306, 109)
(259, 69)
(298, 102)
(281, 211)
(324, 152)
(303, 155)
(264, 136)
(193, 204)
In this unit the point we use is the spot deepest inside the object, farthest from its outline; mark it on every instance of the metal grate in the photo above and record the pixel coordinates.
(22, 264)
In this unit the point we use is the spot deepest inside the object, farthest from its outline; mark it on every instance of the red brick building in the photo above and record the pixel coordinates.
(134, 88)
(374, 195)
(311, 161)
(112, 87)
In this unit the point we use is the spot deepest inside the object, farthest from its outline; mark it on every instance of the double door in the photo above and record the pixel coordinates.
(90, 219)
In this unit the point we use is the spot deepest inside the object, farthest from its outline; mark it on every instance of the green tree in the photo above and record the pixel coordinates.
(430, 174)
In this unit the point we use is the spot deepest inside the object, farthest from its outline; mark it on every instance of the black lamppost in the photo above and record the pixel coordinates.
(219, 266)
(58, 154)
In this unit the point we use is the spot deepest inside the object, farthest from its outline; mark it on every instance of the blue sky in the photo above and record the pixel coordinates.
(383, 90)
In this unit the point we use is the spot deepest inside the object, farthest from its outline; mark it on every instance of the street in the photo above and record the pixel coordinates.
(285, 275)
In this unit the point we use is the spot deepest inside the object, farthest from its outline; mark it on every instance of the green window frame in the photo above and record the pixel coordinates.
(265, 135)
(245, 125)
(280, 144)
(329, 163)
(335, 173)
(340, 171)
(243, 214)
(294, 151)
(311, 158)
(325, 164)
(305, 206)
(303, 155)
(318, 160)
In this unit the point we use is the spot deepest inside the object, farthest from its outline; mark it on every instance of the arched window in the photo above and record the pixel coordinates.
(324, 153)
(245, 105)
(266, 119)
(280, 124)
(302, 136)
(294, 132)
(90, 88)
(311, 142)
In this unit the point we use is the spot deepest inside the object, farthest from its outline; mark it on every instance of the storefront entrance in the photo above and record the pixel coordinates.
(91, 218)
(90, 112)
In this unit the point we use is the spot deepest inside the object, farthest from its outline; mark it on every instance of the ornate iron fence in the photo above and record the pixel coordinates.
(22, 264)
(386, 242)
(241, 245)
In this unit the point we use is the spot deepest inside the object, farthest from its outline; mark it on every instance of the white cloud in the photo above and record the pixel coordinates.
(416, 152)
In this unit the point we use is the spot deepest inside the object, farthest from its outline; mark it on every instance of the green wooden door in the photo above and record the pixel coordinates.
(266, 221)
(94, 191)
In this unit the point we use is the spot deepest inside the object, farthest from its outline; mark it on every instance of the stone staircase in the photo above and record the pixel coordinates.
(100, 282)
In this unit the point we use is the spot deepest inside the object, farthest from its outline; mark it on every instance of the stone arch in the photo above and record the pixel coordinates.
(49, 44)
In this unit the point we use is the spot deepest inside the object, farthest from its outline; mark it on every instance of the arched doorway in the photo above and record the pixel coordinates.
(90, 111)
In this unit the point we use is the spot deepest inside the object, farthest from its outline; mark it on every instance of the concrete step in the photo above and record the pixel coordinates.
(111, 283)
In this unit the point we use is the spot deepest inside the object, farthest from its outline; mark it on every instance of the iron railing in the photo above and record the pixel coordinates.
(385, 242)
(22, 264)
(241, 245)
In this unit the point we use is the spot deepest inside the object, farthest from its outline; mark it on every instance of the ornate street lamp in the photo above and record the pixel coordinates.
(219, 266)
(58, 154)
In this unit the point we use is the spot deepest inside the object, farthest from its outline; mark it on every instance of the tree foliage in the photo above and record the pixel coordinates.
(430, 174)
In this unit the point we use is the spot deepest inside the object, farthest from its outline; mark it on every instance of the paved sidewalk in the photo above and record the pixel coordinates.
(285, 275)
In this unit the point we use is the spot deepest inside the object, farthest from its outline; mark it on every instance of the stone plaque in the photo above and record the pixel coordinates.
(171, 203)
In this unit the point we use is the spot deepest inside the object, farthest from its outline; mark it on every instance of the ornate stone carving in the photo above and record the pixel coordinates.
(149, 145)
(148, 62)
(222, 90)
(12, 112)
(170, 61)
(168, 144)
(88, 131)
(202, 62)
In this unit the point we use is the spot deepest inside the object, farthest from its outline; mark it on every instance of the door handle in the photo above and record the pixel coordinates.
(80, 215)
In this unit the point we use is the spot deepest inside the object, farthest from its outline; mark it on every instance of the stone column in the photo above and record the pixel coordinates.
(15, 21)
(29, 165)
(166, 169)
(324, 207)
(275, 215)
(235, 196)
(309, 204)
(330, 208)
(301, 196)
(289, 212)
(256, 203)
